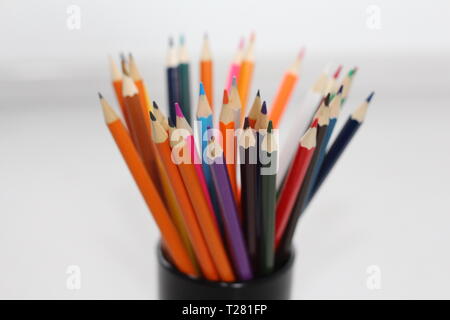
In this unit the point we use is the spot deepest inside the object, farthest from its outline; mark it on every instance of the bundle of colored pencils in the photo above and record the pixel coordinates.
(213, 194)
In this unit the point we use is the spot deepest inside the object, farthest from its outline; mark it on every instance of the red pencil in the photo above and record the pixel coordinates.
(294, 180)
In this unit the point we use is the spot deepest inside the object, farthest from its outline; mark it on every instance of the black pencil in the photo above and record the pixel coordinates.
(249, 193)
(269, 154)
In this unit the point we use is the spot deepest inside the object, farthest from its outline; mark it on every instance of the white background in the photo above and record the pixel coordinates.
(66, 197)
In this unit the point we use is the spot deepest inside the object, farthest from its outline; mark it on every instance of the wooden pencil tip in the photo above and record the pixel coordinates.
(369, 98)
(264, 108)
(225, 97)
(155, 105)
(270, 127)
(100, 96)
(178, 111)
(152, 116)
(258, 94)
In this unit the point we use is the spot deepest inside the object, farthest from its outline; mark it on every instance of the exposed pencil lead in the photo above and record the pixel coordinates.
(327, 100)
(338, 71)
(225, 97)
(315, 123)
(152, 116)
(100, 95)
(178, 111)
(155, 105)
(340, 89)
(202, 89)
(369, 98)
(246, 123)
(352, 72)
(170, 123)
(264, 108)
(269, 127)
(234, 81)
(258, 93)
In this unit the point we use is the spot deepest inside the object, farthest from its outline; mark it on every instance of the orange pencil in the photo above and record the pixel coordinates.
(116, 79)
(160, 138)
(139, 82)
(205, 216)
(285, 90)
(140, 127)
(246, 73)
(206, 71)
(169, 233)
(227, 130)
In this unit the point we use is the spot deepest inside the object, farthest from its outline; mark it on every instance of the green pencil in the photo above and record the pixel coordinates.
(268, 172)
(184, 82)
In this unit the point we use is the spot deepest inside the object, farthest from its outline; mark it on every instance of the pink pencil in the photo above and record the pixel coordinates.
(236, 64)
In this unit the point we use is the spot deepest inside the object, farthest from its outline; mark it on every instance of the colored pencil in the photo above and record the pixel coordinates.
(269, 154)
(285, 90)
(139, 82)
(285, 244)
(249, 196)
(235, 66)
(161, 139)
(184, 80)
(173, 89)
(199, 200)
(335, 108)
(169, 233)
(206, 70)
(116, 79)
(246, 72)
(294, 179)
(347, 84)
(235, 104)
(162, 119)
(255, 110)
(340, 144)
(227, 129)
(232, 227)
(140, 129)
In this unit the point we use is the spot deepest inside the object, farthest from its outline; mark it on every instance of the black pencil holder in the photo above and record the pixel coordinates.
(174, 285)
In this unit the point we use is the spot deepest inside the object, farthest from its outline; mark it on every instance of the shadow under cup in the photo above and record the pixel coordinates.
(174, 285)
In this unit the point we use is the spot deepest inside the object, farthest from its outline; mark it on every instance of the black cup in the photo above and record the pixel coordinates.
(174, 285)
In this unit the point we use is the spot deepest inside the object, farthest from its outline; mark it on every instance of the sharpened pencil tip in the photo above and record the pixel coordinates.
(178, 111)
(152, 116)
(270, 127)
(352, 72)
(369, 98)
(122, 57)
(234, 81)
(225, 99)
(100, 96)
(202, 89)
(327, 100)
(155, 105)
(264, 108)
(341, 88)
(258, 94)
(170, 123)
(338, 72)
(241, 43)
(246, 123)
(315, 123)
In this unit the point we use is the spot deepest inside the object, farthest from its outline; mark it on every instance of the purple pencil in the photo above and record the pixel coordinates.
(232, 228)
